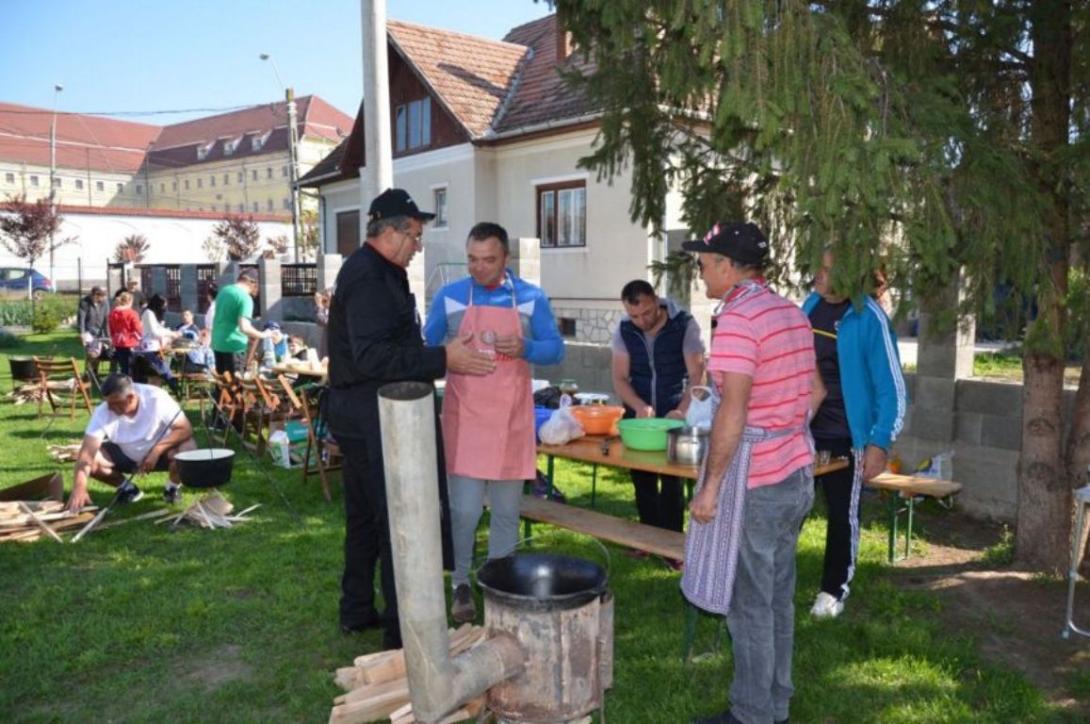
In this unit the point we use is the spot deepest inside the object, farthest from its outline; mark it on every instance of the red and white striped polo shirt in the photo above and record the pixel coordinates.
(769, 339)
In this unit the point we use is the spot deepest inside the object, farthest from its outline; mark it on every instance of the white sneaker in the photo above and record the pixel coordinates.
(826, 606)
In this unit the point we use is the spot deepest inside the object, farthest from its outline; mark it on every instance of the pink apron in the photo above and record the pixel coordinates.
(488, 421)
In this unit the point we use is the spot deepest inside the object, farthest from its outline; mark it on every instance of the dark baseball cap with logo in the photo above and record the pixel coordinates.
(396, 202)
(742, 242)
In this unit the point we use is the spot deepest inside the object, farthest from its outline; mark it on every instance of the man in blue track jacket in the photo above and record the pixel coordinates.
(860, 417)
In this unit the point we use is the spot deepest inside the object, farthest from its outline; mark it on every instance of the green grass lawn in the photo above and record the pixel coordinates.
(141, 623)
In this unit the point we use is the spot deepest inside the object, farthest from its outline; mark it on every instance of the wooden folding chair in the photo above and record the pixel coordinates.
(58, 378)
(266, 407)
(230, 402)
(323, 455)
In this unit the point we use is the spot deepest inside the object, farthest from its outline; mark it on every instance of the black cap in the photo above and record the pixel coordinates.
(396, 202)
(742, 242)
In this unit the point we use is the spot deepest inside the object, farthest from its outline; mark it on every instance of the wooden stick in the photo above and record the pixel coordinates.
(38, 522)
(145, 516)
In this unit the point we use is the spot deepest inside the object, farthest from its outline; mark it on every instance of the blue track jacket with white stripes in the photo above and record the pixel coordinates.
(870, 373)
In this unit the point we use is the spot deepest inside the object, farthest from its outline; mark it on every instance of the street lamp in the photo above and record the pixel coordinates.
(293, 155)
(57, 88)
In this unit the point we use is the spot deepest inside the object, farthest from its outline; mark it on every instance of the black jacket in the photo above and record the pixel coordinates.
(92, 318)
(374, 338)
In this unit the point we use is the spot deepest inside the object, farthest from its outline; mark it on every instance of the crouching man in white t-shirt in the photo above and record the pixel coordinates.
(121, 438)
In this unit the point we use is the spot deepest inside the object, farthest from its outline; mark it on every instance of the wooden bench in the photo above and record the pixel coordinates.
(904, 490)
(628, 533)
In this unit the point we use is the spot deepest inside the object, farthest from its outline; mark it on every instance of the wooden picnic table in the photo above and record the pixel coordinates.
(608, 450)
(319, 373)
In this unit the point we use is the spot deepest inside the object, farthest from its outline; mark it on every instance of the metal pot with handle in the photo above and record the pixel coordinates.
(687, 445)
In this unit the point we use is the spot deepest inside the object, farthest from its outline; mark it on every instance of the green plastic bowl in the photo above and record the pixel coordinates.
(646, 433)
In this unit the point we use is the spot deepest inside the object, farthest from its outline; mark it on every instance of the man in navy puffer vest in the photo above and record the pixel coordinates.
(654, 350)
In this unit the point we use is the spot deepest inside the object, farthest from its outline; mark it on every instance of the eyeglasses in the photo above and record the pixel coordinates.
(417, 238)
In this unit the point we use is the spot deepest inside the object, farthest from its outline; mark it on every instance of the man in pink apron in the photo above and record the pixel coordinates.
(488, 422)
(757, 483)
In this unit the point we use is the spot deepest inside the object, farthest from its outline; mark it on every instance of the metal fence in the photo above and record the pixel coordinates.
(298, 280)
(206, 274)
(174, 287)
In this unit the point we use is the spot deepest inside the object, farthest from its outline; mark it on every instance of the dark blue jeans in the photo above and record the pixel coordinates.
(762, 612)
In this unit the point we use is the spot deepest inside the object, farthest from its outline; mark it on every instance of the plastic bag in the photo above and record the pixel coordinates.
(280, 449)
(702, 409)
(561, 427)
(940, 466)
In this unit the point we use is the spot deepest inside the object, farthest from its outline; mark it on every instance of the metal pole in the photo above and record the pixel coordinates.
(293, 170)
(52, 174)
(377, 175)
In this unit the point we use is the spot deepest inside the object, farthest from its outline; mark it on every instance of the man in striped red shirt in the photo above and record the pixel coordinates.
(757, 485)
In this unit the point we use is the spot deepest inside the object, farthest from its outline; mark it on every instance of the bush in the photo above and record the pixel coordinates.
(9, 340)
(46, 319)
(17, 312)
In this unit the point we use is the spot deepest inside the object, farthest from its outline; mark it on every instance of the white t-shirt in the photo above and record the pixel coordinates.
(134, 435)
(209, 316)
(155, 333)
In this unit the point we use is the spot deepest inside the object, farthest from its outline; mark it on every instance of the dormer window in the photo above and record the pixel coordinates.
(204, 149)
(231, 145)
(257, 141)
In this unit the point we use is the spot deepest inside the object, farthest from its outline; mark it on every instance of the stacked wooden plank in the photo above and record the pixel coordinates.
(27, 520)
(377, 687)
(64, 453)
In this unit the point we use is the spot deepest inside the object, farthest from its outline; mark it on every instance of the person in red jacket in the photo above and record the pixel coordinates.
(126, 331)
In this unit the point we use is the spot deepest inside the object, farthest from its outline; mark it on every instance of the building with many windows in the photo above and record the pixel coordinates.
(235, 162)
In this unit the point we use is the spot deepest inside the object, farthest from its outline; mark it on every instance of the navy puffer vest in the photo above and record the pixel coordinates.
(657, 364)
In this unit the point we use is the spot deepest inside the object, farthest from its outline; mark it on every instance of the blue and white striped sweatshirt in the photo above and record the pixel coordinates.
(542, 340)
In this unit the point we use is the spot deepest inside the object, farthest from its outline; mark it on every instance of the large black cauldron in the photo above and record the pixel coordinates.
(207, 468)
(542, 581)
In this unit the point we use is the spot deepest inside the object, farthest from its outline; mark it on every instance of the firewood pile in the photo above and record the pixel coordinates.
(211, 511)
(28, 520)
(64, 453)
(377, 688)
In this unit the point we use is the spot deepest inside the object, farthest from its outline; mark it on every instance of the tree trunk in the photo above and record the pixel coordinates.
(1044, 488)
(1044, 495)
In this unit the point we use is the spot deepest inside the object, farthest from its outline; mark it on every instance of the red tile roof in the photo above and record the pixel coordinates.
(94, 142)
(542, 95)
(108, 144)
(471, 76)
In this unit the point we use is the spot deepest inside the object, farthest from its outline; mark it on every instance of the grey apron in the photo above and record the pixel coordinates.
(711, 549)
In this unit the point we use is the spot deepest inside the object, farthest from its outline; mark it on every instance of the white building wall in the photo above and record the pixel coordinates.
(172, 240)
(617, 249)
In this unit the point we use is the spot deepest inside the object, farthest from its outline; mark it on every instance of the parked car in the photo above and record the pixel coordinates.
(13, 283)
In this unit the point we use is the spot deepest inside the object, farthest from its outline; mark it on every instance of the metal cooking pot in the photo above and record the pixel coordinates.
(687, 445)
(542, 581)
(207, 468)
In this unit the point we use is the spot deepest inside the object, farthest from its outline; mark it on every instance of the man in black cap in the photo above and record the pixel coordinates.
(757, 483)
(374, 338)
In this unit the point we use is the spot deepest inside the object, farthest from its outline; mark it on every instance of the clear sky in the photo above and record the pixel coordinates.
(150, 55)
